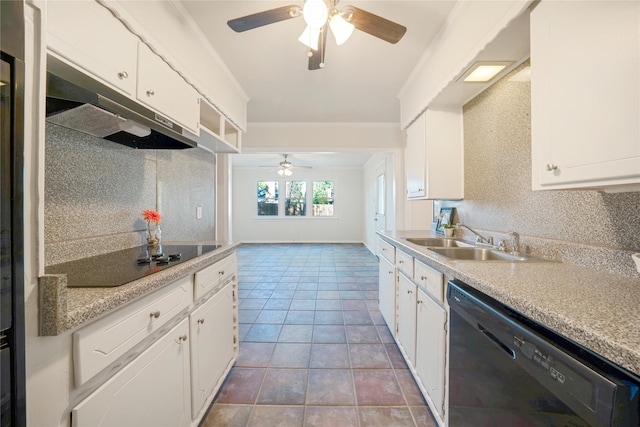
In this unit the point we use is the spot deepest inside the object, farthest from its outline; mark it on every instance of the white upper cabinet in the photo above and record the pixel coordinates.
(88, 35)
(162, 89)
(585, 95)
(434, 160)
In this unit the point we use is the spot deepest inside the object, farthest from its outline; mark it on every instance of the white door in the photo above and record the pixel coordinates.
(387, 292)
(381, 191)
(152, 391)
(431, 348)
(406, 325)
(212, 345)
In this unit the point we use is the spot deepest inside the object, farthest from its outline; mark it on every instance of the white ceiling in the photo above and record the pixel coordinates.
(360, 81)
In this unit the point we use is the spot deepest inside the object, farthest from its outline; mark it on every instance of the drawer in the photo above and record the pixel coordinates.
(102, 342)
(404, 262)
(430, 279)
(216, 274)
(387, 250)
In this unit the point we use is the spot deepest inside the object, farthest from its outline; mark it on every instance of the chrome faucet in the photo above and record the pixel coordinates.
(479, 237)
(515, 239)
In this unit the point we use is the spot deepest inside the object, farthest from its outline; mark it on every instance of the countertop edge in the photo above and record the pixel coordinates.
(623, 354)
(73, 307)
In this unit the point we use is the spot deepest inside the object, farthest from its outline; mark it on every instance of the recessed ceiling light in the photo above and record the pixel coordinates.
(484, 71)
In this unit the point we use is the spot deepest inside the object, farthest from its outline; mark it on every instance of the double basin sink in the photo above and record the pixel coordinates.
(461, 250)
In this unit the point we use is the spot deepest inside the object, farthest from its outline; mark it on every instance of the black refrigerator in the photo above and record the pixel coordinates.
(12, 341)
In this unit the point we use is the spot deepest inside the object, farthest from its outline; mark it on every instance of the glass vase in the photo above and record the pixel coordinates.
(154, 234)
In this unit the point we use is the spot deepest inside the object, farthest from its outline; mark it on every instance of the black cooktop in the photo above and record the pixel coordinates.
(120, 267)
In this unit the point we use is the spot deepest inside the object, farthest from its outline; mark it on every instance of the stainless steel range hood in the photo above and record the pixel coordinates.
(78, 101)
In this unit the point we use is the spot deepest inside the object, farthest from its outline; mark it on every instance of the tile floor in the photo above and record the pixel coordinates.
(314, 349)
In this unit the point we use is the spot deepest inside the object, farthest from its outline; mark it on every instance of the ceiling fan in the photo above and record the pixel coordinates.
(320, 16)
(285, 167)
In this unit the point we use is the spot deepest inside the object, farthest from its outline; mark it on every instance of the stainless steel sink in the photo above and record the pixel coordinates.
(438, 242)
(484, 254)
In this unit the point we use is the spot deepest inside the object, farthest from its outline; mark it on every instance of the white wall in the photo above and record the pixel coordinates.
(345, 227)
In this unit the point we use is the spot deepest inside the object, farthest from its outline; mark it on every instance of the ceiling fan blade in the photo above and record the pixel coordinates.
(316, 57)
(266, 17)
(376, 25)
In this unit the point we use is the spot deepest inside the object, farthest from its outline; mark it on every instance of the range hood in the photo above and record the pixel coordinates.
(79, 102)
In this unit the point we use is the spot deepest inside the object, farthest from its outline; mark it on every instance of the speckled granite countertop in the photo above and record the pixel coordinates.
(595, 309)
(63, 308)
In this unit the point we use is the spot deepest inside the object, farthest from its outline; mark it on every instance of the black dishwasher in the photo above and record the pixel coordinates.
(507, 370)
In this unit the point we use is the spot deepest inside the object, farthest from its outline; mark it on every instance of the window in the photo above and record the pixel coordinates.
(323, 198)
(295, 202)
(267, 198)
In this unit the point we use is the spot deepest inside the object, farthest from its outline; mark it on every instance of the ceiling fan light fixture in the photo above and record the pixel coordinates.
(315, 13)
(310, 37)
(341, 28)
(285, 172)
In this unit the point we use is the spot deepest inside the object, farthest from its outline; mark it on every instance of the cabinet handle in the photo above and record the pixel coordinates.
(123, 75)
(201, 321)
(551, 167)
(154, 314)
(423, 277)
(401, 262)
(182, 338)
(384, 249)
(391, 272)
(419, 301)
(221, 272)
(409, 292)
(150, 92)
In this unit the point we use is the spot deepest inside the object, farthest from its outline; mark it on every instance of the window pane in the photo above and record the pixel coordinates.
(295, 203)
(268, 198)
(323, 198)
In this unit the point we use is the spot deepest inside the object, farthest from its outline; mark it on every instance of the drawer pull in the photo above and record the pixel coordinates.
(409, 292)
(221, 272)
(201, 321)
(384, 249)
(123, 75)
(391, 272)
(182, 338)
(401, 262)
(150, 92)
(423, 277)
(154, 314)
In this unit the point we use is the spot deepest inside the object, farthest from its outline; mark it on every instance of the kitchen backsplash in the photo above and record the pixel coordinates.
(96, 190)
(583, 226)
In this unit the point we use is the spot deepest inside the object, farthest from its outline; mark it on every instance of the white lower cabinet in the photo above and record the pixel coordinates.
(153, 390)
(431, 321)
(387, 292)
(417, 316)
(406, 327)
(212, 345)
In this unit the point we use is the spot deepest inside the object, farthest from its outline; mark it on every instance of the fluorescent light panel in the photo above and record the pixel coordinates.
(484, 71)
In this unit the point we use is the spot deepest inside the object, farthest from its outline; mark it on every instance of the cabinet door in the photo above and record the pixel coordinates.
(444, 154)
(164, 90)
(585, 94)
(407, 317)
(415, 159)
(387, 293)
(89, 36)
(212, 345)
(431, 348)
(153, 390)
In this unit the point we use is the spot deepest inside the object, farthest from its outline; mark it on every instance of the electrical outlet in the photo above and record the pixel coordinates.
(198, 212)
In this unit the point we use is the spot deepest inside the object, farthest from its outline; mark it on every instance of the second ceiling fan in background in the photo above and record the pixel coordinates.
(320, 16)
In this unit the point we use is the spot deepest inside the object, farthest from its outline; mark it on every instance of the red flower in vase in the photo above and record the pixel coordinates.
(151, 216)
